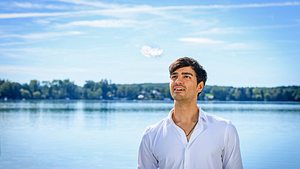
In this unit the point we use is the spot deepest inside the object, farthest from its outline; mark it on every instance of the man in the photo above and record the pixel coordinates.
(189, 138)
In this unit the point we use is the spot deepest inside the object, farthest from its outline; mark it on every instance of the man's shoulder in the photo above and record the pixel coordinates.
(216, 119)
(219, 123)
(156, 126)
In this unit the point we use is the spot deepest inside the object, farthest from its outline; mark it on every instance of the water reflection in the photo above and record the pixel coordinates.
(35, 134)
(101, 109)
(38, 106)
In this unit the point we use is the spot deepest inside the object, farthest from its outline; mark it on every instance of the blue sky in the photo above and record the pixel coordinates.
(239, 43)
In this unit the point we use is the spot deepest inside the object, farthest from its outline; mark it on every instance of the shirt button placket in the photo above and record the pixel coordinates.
(186, 157)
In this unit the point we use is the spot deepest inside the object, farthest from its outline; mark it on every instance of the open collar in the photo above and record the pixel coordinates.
(202, 115)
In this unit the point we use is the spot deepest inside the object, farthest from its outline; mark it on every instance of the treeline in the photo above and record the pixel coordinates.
(105, 90)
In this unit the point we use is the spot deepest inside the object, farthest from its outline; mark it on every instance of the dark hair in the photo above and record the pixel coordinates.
(201, 74)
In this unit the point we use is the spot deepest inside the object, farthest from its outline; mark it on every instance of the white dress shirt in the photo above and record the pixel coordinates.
(214, 144)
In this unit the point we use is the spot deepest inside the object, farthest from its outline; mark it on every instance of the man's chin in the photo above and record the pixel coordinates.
(178, 97)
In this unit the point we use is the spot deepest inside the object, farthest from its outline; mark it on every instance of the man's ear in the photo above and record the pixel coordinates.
(200, 87)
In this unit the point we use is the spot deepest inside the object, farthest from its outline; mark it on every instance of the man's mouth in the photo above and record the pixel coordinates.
(179, 89)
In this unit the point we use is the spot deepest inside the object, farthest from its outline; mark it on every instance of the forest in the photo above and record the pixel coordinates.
(106, 90)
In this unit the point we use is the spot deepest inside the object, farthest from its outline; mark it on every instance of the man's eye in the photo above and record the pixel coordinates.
(187, 77)
(173, 77)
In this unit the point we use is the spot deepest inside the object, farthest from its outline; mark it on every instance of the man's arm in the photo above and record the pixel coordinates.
(146, 159)
(231, 153)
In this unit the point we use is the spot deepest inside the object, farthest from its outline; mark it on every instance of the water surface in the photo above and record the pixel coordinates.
(106, 135)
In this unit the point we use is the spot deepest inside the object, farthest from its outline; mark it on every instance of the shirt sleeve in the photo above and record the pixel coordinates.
(146, 159)
(231, 154)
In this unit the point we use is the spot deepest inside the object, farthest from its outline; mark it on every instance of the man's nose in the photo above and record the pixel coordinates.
(178, 80)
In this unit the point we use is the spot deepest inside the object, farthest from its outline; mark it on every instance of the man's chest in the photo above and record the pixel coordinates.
(172, 148)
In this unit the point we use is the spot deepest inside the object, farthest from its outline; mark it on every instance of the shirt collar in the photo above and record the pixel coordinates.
(202, 116)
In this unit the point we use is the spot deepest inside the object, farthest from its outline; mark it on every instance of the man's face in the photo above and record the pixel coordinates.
(183, 84)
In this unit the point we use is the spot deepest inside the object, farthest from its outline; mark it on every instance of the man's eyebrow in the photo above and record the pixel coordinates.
(187, 73)
(183, 73)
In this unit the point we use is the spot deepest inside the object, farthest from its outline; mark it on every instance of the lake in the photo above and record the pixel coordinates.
(106, 135)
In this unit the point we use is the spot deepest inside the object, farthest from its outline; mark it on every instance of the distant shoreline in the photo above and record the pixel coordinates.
(145, 101)
(106, 90)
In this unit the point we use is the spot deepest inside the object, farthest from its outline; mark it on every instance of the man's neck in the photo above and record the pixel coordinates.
(185, 112)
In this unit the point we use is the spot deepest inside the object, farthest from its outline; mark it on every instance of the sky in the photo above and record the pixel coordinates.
(240, 43)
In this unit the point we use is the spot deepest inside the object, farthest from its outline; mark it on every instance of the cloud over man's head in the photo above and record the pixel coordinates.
(149, 51)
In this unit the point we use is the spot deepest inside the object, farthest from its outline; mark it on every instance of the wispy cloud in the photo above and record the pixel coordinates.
(32, 15)
(219, 43)
(235, 30)
(43, 73)
(39, 71)
(47, 35)
(7, 44)
(264, 5)
(31, 53)
(204, 41)
(113, 12)
(126, 9)
(232, 6)
(92, 3)
(186, 7)
(238, 46)
(44, 35)
(218, 31)
(29, 5)
(105, 23)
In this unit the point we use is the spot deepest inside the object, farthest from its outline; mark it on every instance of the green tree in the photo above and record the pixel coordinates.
(34, 86)
(92, 90)
(25, 94)
(10, 90)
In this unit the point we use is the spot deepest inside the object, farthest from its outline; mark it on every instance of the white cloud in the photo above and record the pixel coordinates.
(224, 45)
(44, 35)
(234, 30)
(231, 6)
(106, 23)
(204, 41)
(42, 21)
(218, 31)
(32, 54)
(185, 7)
(238, 46)
(265, 5)
(92, 3)
(31, 15)
(109, 9)
(149, 51)
(28, 5)
(6, 44)
(39, 71)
